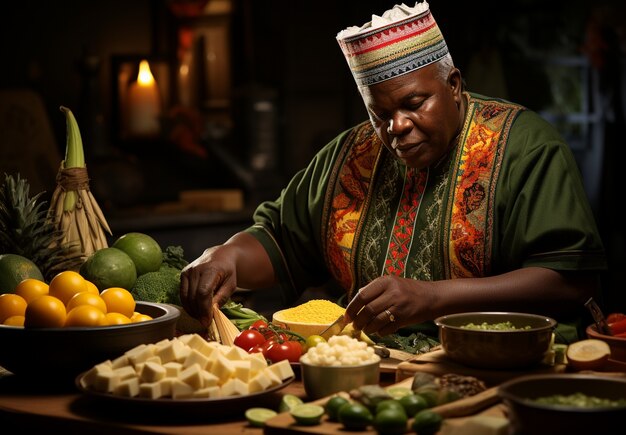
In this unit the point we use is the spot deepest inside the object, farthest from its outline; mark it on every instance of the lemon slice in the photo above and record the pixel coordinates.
(258, 416)
(307, 414)
(590, 354)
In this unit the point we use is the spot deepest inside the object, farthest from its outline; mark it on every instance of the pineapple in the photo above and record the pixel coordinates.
(26, 230)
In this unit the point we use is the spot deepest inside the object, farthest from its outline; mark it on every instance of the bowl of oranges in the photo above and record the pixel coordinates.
(54, 331)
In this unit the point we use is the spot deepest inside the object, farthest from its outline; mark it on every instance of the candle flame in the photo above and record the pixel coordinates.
(145, 77)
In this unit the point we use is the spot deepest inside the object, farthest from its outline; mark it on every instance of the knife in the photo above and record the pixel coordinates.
(337, 326)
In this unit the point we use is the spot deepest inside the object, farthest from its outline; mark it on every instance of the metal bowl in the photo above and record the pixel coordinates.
(62, 353)
(529, 417)
(322, 381)
(496, 349)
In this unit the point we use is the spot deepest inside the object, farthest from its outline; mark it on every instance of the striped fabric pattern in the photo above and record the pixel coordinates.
(396, 49)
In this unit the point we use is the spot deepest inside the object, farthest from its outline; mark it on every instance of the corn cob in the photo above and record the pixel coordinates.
(226, 329)
(73, 208)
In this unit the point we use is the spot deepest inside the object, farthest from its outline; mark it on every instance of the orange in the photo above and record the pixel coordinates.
(87, 298)
(11, 305)
(119, 300)
(92, 288)
(140, 317)
(14, 321)
(45, 312)
(85, 315)
(116, 319)
(66, 284)
(30, 288)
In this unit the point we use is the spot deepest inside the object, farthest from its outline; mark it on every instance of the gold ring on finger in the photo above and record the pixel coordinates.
(392, 318)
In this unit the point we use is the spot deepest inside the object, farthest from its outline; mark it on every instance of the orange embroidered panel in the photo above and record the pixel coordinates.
(349, 193)
(402, 233)
(472, 194)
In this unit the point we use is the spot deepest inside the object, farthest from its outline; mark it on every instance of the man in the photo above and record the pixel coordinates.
(443, 202)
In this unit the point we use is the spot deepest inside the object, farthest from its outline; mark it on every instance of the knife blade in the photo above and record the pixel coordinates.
(335, 328)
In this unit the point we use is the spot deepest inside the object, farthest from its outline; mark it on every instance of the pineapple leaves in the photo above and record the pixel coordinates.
(26, 230)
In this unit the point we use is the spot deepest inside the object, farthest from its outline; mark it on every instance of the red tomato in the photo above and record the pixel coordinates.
(259, 324)
(615, 317)
(286, 350)
(618, 327)
(248, 338)
(256, 349)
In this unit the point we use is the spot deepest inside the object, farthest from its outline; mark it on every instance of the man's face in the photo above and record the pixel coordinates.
(417, 115)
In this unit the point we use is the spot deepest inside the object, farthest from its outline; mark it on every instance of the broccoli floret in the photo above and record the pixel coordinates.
(174, 256)
(162, 286)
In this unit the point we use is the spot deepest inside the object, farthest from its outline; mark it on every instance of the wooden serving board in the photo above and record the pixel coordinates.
(455, 413)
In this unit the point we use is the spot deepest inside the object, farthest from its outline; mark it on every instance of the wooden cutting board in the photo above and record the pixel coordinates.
(455, 412)
(390, 364)
(438, 364)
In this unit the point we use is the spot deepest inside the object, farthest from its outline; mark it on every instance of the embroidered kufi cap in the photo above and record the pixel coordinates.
(400, 41)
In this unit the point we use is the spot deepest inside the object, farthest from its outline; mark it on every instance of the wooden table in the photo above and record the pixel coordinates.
(55, 409)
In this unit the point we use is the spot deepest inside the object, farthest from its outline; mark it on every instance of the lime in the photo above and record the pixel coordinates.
(288, 402)
(389, 404)
(413, 403)
(398, 392)
(446, 396)
(391, 421)
(427, 422)
(109, 267)
(145, 252)
(332, 406)
(313, 340)
(258, 416)
(307, 414)
(355, 416)
(14, 269)
(431, 396)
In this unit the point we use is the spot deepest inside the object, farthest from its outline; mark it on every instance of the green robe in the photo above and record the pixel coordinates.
(509, 195)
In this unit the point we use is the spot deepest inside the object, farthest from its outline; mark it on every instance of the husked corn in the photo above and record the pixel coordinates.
(314, 311)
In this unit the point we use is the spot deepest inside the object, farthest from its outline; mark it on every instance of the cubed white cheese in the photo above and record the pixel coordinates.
(234, 387)
(152, 372)
(142, 354)
(235, 353)
(128, 387)
(125, 372)
(242, 370)
(172, 369)
(152, 390)
(90, 376)
(260, 382)
(209, 379)
(181, 389)
(191, 376)
(196, 357)
(222, 368)
(175, 351)
(120, 361)
(282, 369)
(273, 377)
(207, 392)
(106, 381)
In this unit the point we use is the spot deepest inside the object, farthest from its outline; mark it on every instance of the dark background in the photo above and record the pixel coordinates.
(565, 59)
